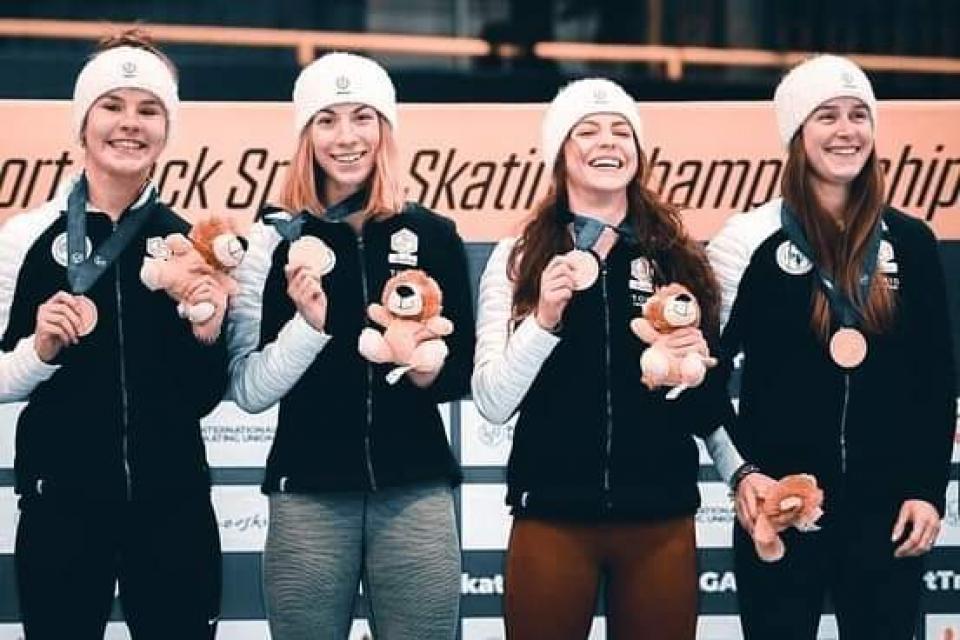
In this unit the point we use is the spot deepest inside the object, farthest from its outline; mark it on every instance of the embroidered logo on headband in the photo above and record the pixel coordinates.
(849, 82)
(600, 95)
(128, 70)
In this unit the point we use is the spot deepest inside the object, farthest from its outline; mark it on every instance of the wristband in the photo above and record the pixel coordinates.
(742, 472)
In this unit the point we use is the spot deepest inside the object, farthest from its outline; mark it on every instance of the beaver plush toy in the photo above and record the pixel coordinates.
(795, 501)
(409, 312)
(176, 263)
(672, 307)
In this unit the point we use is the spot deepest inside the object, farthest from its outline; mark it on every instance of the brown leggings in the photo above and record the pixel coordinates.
(554, 570)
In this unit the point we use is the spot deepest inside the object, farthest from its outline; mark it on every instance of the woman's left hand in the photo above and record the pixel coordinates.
(683, 341)
(925, 523)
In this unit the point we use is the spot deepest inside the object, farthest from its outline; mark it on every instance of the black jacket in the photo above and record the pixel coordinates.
(341, 426)
(591, 442)
(120, 417)
(873, 436)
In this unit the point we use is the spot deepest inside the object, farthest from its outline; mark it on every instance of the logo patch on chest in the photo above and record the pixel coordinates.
(791, 260)
(61, 253)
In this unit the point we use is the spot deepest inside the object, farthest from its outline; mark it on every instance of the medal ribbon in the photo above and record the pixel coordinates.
(844, 310)
(83, 272)
(290, 229)
(587, 230)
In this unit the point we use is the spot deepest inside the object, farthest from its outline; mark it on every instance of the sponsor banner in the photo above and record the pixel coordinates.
(728, 628)
(226, 630)
(235, 438)
(715, 517)
(492, 629)
(8, 431)
(483, 444)
(486, 519)
(9, 517)
(710, 158)
(242, 517)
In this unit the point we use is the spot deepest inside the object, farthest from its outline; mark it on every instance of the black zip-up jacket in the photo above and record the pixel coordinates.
(117, 416)
(341, 426)
(873, 436)
(591, 442)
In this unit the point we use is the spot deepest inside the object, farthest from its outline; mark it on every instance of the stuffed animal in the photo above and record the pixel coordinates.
(410, 315)
(175, 264)
(794, 501)
(670, 308)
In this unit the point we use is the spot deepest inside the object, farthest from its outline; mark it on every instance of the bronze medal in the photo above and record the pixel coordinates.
(312, 252)
(88, 315)
(585, 269)
(848, 348)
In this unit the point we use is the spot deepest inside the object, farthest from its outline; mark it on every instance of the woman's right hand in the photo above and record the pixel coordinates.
(750, 492)
(556, 289)
(308, 296)
(58, 325)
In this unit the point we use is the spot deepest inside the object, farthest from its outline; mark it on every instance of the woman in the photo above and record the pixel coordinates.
(360, 474)
(602, 478)
(110, 464)
(838, 303)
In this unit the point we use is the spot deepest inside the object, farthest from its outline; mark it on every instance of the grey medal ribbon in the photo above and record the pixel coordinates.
(83, 272)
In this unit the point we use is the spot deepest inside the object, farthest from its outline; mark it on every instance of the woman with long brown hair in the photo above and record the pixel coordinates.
(110, 465)
(838, 303)
(360, 474)
(602, 477)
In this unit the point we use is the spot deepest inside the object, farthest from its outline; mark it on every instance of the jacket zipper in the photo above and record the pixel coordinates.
(123, 381)
(609, 394)
(843, 423)
(366, 299)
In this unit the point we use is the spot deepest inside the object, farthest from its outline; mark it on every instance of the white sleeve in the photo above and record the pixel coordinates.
(21, 369)
(730, 251)
(724, 453)
(506, 362)
(258, 379)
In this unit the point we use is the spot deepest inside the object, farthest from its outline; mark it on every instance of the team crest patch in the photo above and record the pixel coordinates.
(885, 258)
(791, 260)
(641, 274)
(157, 248)
(404, 241)
(60, 253)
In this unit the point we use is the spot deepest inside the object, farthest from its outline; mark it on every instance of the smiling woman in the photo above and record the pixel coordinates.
(85, 343)
(125, 131)
(838, 304)
(603, 484)
(359, 475)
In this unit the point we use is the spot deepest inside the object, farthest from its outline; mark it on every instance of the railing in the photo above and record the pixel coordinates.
(306, 43)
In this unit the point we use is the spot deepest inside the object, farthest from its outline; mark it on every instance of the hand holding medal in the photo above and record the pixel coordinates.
(309, 259)
(557, 284)
(313, 254)
(62, 321)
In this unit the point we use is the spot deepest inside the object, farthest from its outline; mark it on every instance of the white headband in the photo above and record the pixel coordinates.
(124, 68)
(578, 100)
(811, 83)
(337, 78)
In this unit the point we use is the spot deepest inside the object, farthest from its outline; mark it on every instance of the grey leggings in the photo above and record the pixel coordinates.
(401, 542)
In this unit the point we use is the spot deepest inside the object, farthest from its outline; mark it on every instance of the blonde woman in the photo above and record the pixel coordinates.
(360, 474)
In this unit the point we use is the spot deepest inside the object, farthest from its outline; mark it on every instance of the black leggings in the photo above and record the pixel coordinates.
(875, 595)
(166, 557)
(554, 571)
